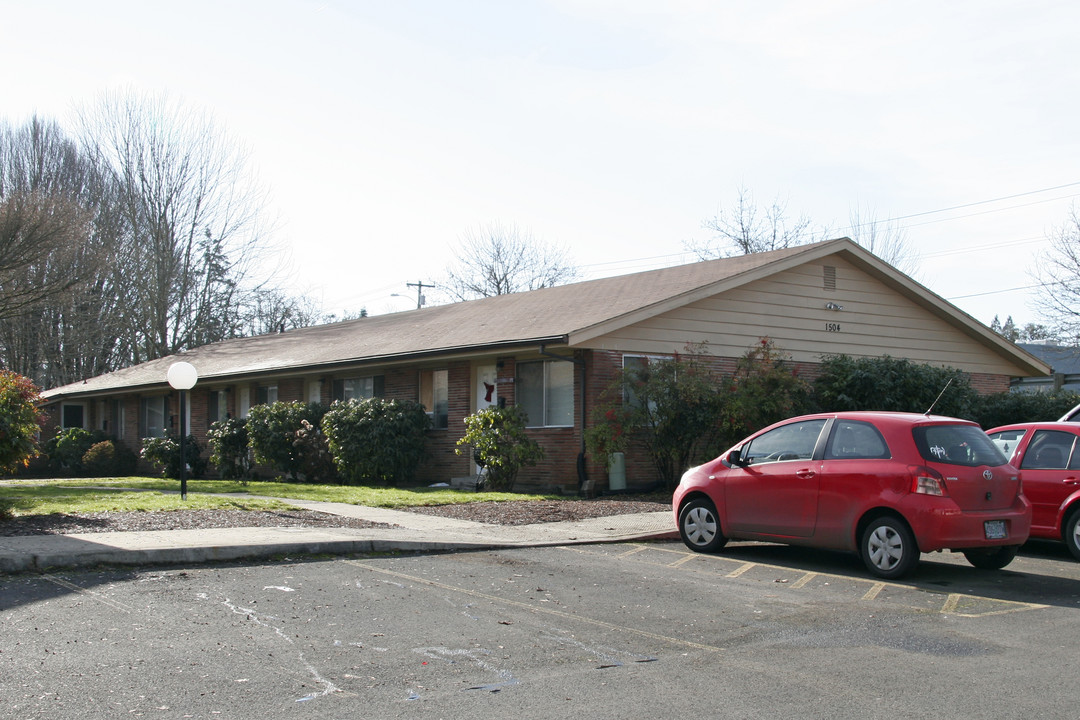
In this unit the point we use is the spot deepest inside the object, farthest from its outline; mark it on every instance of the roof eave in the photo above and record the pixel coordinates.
(448, 353)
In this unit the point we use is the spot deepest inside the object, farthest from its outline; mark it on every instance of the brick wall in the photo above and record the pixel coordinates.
(557, 472)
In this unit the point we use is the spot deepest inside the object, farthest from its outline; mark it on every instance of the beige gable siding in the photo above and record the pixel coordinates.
(790, 307)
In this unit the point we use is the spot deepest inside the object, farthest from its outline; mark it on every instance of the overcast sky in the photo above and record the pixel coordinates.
(386, 130)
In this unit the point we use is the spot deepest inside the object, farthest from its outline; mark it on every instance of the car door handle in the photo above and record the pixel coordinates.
(1071, 481)
(805, 474)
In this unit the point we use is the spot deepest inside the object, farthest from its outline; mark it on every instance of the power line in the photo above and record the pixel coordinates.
(967, 205)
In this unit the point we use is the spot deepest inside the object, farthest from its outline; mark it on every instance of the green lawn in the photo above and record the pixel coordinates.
(85, 495)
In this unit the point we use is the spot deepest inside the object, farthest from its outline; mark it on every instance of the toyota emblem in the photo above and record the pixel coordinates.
(987, 475)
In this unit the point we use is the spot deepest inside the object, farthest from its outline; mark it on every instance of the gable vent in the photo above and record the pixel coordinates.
(830, 276)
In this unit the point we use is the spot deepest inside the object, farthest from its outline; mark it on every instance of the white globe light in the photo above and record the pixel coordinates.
(182, 376)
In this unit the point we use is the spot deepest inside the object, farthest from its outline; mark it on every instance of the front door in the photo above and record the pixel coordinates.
(486, 389)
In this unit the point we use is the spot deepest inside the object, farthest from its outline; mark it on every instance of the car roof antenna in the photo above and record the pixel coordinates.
(929, 409)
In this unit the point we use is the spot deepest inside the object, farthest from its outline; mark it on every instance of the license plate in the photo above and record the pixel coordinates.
(995, 529)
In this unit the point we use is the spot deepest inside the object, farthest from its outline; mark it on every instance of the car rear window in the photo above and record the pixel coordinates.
(957, 445)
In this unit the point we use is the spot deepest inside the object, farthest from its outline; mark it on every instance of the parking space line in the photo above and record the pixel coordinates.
(740, 570)
(874, 591)
(951, 604)
(632, 551)
(574, 617)
(681, 561)
(87, 593)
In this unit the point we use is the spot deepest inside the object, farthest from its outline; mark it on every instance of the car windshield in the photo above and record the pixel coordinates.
(957, 445)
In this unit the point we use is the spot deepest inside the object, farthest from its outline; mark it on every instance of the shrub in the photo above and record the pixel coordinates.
(316, 461)
(230, 451)
(107, 458)
(765, 390)
(164, 453)
(100, 459)
(1016, 407)
(886, 383)
(68, 447)
(272, 432)
(499, 444)
(20, 421)
(376, 440)
(682, 411)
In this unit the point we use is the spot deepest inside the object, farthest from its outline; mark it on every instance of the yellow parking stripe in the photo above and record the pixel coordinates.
(952, 604)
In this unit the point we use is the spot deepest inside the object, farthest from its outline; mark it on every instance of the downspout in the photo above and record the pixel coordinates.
(584, 487)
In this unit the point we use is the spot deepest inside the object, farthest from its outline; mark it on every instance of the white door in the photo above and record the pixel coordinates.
(487, 390)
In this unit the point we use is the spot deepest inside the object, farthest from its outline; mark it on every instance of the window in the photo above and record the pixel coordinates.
(217, 406)
(152, 416)
(72, 415)
(852, 440)
(545, 390)
(965, 445)
(435, 396)
(359, 388)
(795, 441)
(266, 395)
(635, 369)
(1049, 450)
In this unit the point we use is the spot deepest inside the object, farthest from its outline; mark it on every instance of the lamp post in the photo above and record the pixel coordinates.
(182, 376)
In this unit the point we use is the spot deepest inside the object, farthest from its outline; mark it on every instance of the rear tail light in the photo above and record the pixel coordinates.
(928, 482)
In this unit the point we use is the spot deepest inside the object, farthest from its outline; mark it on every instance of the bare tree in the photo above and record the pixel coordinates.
(885, 238)
(1057, 271)
(57, 313)
(744, 228)
(44, 224)
(498, 259)
(272, 310)
(192, 214)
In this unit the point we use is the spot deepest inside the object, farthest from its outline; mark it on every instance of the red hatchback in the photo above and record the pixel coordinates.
(1049, 461)
(885, 485)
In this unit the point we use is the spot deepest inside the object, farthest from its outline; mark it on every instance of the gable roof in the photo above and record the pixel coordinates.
(567, 314)
(1064, 359)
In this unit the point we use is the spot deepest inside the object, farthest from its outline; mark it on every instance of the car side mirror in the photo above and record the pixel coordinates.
(735, 458)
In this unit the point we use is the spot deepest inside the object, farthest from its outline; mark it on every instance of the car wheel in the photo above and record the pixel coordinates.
(699, 526)
(992, 558)
(1071, 533)
(888, 548)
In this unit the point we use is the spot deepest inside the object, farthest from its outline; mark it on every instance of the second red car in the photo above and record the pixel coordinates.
(1049, 461)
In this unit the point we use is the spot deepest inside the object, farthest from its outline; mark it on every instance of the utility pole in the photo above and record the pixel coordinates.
(419, 292)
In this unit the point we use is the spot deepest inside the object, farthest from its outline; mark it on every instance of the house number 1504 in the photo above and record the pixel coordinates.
(832, 327)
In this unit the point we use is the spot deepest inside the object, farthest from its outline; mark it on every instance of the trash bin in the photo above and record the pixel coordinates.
(617, 471)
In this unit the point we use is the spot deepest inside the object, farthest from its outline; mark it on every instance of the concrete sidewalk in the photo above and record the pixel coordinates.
(410, 532)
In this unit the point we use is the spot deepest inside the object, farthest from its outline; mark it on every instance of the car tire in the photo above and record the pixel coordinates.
(888, 548)
(699, 526)
(992, 558)
(1070, 532)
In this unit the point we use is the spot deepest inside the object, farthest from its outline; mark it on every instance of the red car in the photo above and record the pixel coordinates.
(885, 485)
(1049, 462)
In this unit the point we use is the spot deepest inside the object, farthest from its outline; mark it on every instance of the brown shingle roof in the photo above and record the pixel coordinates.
(547, 316)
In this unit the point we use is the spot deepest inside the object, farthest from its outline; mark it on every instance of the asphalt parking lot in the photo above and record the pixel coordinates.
(637, 629)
